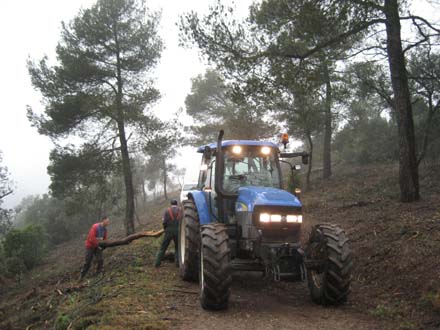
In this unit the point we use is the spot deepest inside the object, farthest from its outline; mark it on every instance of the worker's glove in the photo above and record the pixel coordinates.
(101, 248)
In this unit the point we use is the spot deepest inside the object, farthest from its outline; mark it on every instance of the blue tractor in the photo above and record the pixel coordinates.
(240, 218)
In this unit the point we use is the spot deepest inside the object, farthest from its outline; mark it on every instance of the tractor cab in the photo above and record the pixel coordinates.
(243, 164)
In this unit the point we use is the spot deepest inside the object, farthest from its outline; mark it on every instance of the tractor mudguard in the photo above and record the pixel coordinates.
(202, 207)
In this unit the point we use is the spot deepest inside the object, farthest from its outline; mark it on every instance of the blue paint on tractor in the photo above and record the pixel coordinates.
(264, 196)
(229, 143)
(202, 206)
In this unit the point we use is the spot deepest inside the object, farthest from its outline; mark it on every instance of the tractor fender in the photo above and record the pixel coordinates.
(202, 207)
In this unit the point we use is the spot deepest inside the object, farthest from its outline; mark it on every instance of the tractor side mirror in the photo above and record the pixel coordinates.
(305, 159)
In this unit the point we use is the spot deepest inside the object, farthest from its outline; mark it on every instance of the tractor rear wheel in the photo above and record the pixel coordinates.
(189, 241)
(215, 267)
(328, 259)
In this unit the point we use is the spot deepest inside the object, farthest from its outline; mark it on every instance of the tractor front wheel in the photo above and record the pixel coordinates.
(328, 259)
(215, 268)
(189, 241)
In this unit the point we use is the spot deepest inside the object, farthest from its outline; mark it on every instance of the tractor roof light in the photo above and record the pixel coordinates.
(265, 150)
(236, 150)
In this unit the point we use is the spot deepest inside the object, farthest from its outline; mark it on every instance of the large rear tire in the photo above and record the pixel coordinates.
(215, 267)
(329, 264)
(189, 242)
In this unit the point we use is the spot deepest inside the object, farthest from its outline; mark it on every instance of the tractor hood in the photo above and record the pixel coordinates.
(249, 197)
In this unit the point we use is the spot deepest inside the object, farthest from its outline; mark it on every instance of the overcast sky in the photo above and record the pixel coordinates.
(32, 28)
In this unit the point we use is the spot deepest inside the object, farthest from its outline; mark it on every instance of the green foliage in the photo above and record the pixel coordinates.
(73, 171)
(62, 322)
(369, 141)
(367, 137)
(24, 247)
(3, 265)
(424, 74)
(294, 181)
(161, 148)
(99, 88)
(95, 63)
(5, 181)
(279, 34)
(63, 219)
(15, 267)
(5, 190)
(213, 105)
(5, 221)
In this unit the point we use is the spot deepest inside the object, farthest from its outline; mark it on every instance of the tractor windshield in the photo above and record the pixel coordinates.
(250, 167)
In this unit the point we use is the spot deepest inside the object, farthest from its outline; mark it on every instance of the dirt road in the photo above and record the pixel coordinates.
(258, 304)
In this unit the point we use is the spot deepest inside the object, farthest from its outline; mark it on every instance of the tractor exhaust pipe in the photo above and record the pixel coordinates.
(219, 167)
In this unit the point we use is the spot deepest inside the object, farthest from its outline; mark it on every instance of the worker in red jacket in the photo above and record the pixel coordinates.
(97, 233)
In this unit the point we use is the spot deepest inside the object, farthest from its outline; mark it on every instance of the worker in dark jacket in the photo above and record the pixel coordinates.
(170, 220)
(97, 233)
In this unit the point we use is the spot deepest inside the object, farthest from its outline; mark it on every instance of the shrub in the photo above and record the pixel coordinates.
(369, 141)
(24, 246)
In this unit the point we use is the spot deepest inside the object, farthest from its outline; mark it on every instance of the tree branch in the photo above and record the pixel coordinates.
(414, 17)
(329, 42)
(6, 194)
(130, 238)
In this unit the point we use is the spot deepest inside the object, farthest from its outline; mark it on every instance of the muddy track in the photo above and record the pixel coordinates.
(256, 303)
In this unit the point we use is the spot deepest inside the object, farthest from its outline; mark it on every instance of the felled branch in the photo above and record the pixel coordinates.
(130, 238)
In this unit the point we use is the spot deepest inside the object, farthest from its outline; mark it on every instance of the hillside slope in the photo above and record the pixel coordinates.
(395, 283)
(396, 245)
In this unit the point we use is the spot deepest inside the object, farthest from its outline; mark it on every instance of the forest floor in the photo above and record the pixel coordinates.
(396, 278)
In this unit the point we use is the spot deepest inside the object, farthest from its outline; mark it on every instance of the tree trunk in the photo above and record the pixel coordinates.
(327, 161)
(128, 180)
(126, 168)
(309, 169)
(408, 170)
(165, 179)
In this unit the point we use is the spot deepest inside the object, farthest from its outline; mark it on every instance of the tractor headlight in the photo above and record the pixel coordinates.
(275, 218)
(294, 218)
(264, 217)
(290, 218)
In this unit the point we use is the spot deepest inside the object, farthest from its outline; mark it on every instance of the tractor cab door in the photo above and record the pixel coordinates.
(211, 197)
